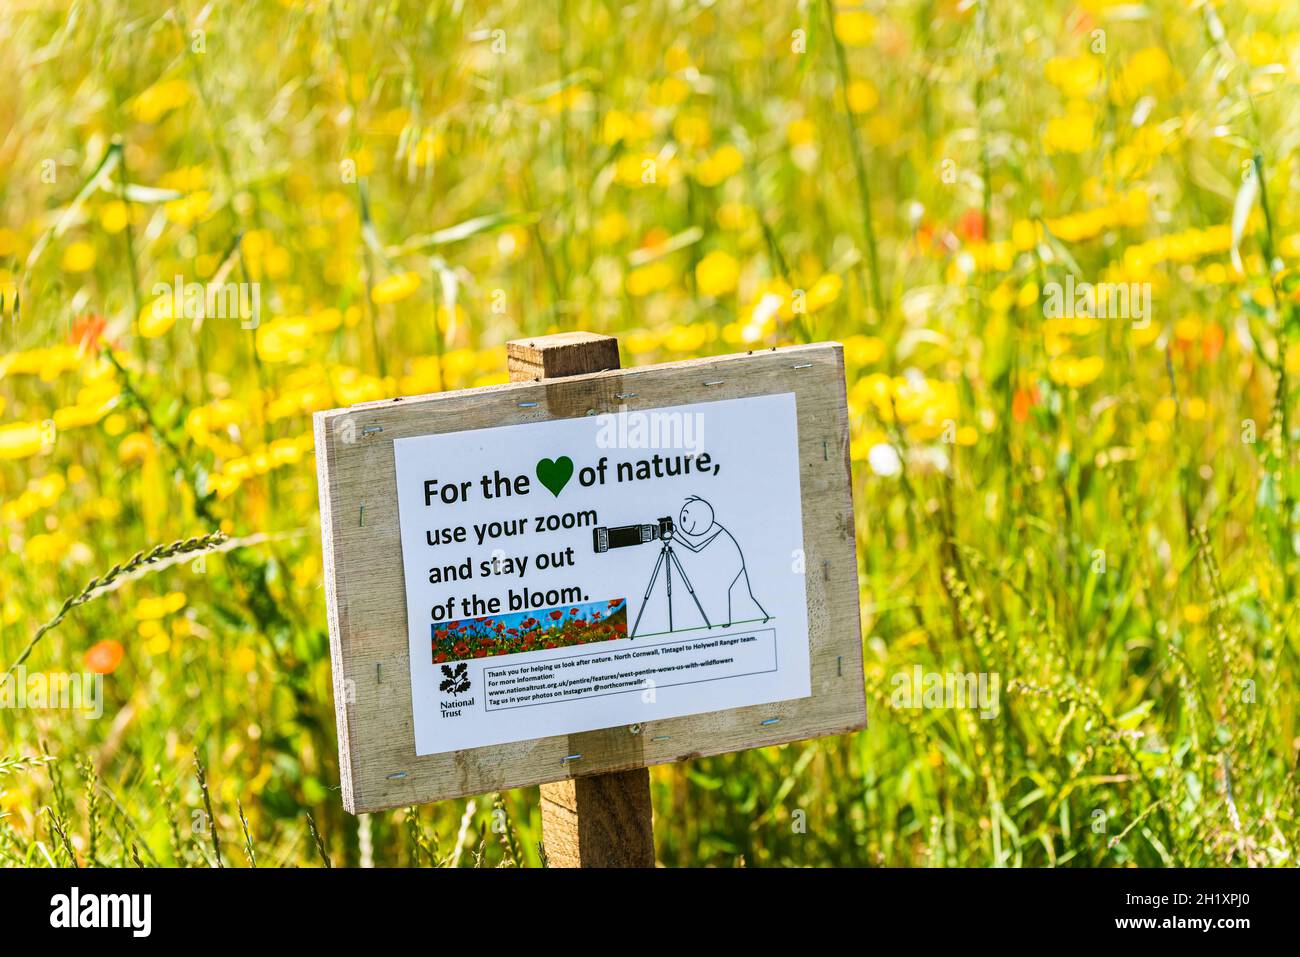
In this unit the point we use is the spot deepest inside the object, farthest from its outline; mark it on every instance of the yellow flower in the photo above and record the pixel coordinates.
(638, 169)
(1074, 76)
(1025, 234)
(135, 447)
(163, 96)
(735, 217)
(395, 288)
(1027, 295)
(156, 317)
(186, 179)
(689, 338)
(363, 161)
(1149, 67)
(801, 132)
(649, 278)
(285, 339)
(862, 96)
(717, 273)
(158, 644)
(83, 413)
(1188, 329)
(669, 91)
(927, 407)
(855, 28)
(691, 128)
(724, 162)
(677, 58)
(862, 350)
(1145, 335)
(823, 292)
(40, 493)
(113, 217)
(626, 126)
(245, 659)
(48, 362)
(150, 609)
(22, 439)
(46, 549)
(1072, 131)
(78, 257)
(1076, 373)
(432, 146)
(610, 228)
(189, 209)
(1194, 614)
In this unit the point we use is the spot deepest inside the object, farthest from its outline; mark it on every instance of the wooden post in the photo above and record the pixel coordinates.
(599, 820)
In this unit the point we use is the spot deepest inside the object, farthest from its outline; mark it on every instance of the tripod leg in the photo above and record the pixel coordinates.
(689, 587)
(645, 599)
(668, 571)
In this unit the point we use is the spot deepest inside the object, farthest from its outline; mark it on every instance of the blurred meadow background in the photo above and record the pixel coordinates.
(1102, 513)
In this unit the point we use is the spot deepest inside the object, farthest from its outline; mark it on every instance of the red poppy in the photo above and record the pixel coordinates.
(1212, 341)
(103, 657)
(1022, 402)
(557, 615)
(87, 330)
(971, 225)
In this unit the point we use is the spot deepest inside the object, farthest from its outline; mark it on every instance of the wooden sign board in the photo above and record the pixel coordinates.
(552, 579)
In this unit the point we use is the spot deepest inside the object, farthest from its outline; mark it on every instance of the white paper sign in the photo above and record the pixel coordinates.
(587, 573)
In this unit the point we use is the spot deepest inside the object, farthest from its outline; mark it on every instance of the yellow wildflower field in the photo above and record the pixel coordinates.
(1059, 244)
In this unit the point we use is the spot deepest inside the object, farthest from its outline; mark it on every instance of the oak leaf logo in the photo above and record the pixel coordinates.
(455, 680)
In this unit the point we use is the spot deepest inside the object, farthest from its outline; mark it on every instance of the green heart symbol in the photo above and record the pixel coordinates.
(555, 475)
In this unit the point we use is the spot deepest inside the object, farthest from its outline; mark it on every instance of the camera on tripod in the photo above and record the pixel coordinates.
(604, 538)
(621, 536)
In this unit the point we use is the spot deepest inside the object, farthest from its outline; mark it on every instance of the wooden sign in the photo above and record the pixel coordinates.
(553, 579)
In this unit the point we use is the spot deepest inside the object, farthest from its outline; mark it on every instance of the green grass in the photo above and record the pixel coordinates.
(1104, 517)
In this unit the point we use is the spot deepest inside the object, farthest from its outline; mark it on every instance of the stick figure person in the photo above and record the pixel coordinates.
(699, 531)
